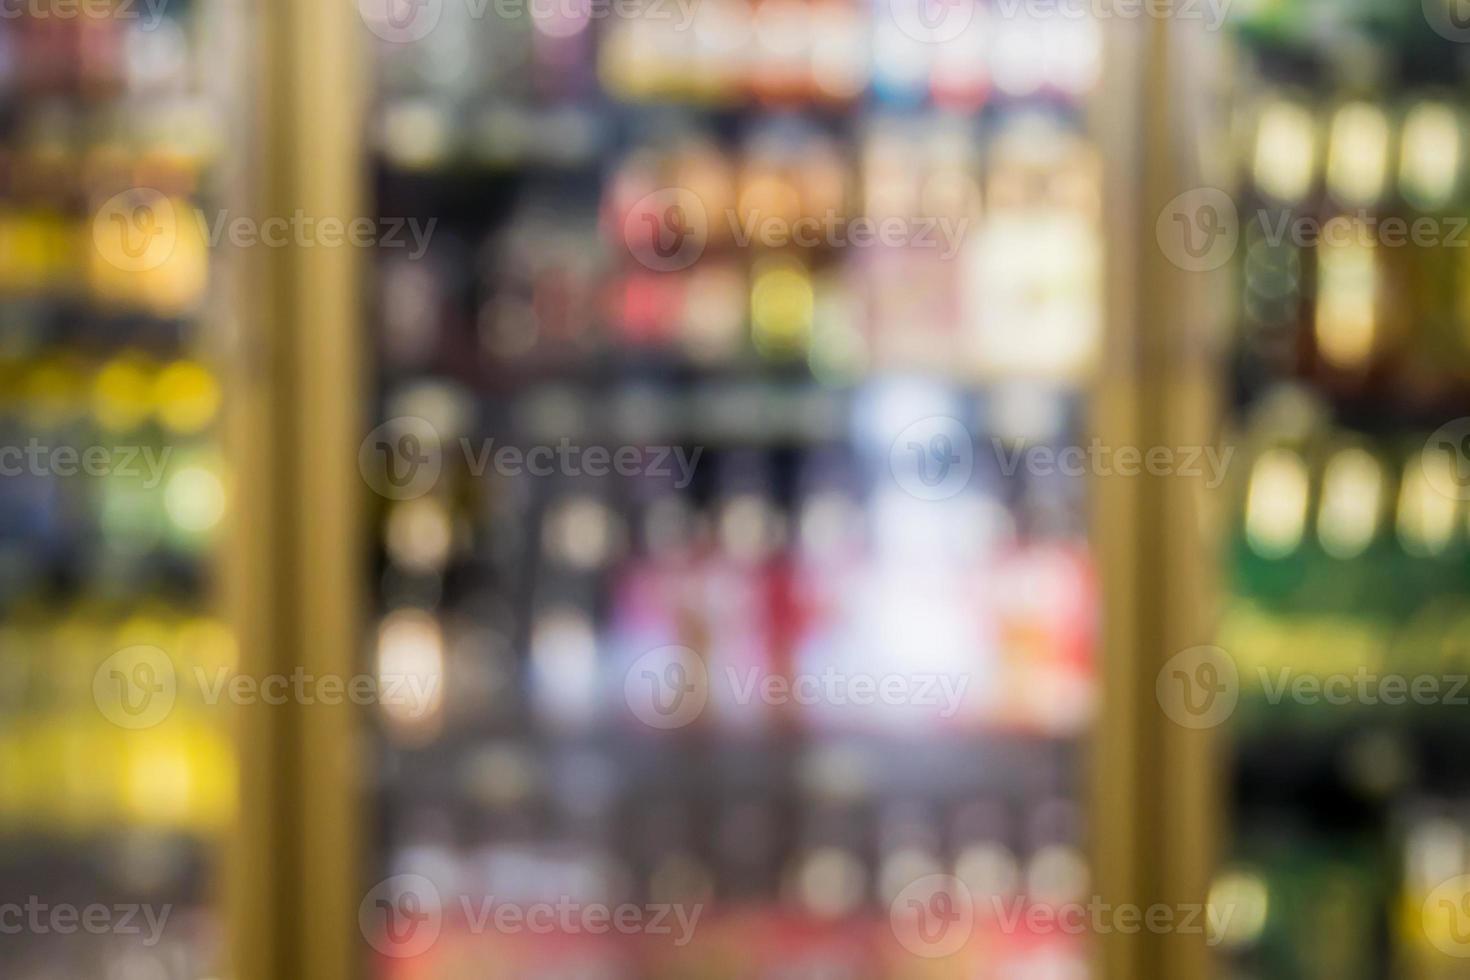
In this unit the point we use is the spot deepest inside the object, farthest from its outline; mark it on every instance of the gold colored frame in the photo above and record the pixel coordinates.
(1155, 785)
(294, 566)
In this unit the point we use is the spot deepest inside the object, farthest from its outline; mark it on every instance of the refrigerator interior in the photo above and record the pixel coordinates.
(715, 497)
(118, 782)
(1345, 573)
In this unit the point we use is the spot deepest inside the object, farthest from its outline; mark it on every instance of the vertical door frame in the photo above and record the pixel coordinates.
(1155, 785)
(294, 572)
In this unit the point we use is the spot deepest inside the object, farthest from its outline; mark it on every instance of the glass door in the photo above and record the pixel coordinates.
(117, 777)
(734, 611)
(1340, 657)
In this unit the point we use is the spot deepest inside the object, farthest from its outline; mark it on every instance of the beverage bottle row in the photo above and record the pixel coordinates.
(91, 53)
(1353, 152)
(108, 474)
(771, 266)
(565, 588)
(1358, 519)
(138, 253)
(83, 757)
(777, 52)
(1354, 238)
(764, 883)
(768, 54)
